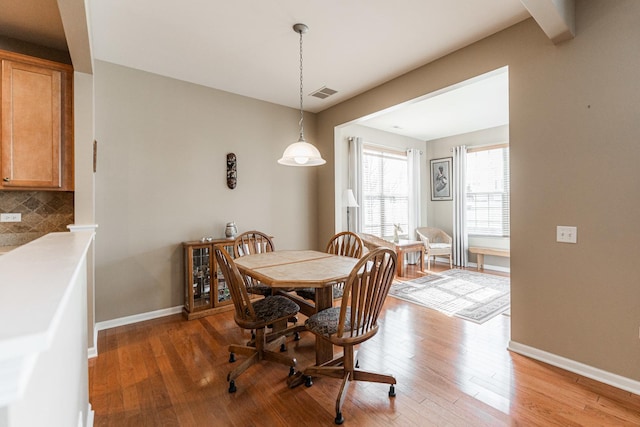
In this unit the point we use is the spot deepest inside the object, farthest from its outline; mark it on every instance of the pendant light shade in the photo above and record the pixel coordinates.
(301, 153)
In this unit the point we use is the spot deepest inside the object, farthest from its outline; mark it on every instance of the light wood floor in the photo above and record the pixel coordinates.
(450, 372)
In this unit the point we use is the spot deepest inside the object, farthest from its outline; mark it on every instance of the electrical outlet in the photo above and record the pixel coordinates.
(566, 234)
(10, 217)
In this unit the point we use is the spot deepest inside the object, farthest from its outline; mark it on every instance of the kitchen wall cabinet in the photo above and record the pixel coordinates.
(36, 121)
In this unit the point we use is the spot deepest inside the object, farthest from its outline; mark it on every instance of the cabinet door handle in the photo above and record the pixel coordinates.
(6, 179)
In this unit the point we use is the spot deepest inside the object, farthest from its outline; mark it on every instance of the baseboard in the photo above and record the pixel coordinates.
(90, 416)
(93, 350)
(473, 265)
(605, 377)
(128, 320)
(491, 267)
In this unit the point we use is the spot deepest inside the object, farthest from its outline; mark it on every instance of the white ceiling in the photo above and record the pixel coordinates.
(480, 103)
(249, 47)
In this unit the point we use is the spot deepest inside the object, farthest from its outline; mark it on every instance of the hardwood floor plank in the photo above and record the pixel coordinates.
(450, 372)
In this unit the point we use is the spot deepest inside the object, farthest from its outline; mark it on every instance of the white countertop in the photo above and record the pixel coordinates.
(5, 249)
(34, 283)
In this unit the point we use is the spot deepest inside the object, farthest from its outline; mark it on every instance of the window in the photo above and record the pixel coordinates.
(487, 181)
(385, 191)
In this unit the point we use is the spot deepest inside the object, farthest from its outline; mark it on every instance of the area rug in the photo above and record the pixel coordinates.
(470, 295)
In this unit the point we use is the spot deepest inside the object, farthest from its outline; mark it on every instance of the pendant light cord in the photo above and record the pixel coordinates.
(301, 90)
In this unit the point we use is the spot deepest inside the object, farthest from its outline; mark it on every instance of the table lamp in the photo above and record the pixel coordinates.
(350, 202)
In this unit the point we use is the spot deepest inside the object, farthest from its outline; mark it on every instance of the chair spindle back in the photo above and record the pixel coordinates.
(364, 294)
(252, 242)
(237, 286)
(345, 243)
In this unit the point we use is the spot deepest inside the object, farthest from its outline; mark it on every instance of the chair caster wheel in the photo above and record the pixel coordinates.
(296, 336)
(307, 381)
(339, 420)
(232, 357)
(292, 371)
(392, 391)
(232, 386)
(283, 348)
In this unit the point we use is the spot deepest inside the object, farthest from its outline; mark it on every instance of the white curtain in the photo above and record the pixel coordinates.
(460, 236)
(355, 182)
(413, 166)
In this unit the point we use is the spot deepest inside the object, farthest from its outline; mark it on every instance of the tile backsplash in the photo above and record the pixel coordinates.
(42, 212)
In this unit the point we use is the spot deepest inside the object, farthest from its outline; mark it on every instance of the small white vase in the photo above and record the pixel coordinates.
(230, 230)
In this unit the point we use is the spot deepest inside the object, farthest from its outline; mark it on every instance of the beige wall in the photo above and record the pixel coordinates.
(161, 180)
(574, 161)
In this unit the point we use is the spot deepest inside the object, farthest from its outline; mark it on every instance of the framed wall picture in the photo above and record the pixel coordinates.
(441, 179)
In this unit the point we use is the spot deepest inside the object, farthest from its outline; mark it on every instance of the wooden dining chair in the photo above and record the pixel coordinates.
(253, 242)
(256, 315)
(345, 243)
(355, 321)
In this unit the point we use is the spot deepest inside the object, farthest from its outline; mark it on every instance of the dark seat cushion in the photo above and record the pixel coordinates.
(307, 293)
(272, 308)
(310, 293)
(326, 321)
(259, 289)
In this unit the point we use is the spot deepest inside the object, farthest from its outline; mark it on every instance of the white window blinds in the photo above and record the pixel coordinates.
(487, 181)
(385, 191)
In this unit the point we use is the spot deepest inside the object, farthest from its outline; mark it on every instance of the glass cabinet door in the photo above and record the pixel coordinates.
(201, 277)
(205, 288)
(223, 289)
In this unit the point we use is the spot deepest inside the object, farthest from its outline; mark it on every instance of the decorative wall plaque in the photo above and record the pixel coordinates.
(231, 171)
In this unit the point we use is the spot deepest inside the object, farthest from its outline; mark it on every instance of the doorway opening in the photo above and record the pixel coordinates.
(473, 113)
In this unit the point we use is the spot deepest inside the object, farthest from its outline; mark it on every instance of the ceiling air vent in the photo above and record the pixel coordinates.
(323, 92)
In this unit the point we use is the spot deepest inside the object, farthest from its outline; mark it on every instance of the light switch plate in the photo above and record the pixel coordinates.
(567, 234)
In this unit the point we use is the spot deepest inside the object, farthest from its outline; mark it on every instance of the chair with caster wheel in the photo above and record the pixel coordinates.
(256, 315)
(355, 321)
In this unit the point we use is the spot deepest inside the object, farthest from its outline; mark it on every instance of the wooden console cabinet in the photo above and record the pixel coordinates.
(36, 118)
(205, 290)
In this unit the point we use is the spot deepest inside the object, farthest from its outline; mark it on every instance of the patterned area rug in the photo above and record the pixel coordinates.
(462, 293)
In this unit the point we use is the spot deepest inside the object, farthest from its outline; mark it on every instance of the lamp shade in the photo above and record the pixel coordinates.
(301, 153)
(349, 199)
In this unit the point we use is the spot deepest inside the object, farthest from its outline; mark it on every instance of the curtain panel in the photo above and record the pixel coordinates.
(460, 235)
(414, 158)
(355, 181)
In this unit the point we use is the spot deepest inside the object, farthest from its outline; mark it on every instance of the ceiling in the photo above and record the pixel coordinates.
(249, 47)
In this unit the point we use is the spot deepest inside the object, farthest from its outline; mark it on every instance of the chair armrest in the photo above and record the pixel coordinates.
(425, 239)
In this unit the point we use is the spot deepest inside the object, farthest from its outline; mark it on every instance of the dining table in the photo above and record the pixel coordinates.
(291, 269)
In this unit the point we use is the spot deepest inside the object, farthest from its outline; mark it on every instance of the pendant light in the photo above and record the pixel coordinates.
(301, 153)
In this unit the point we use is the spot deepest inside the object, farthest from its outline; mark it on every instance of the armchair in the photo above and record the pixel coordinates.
(436, 242)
